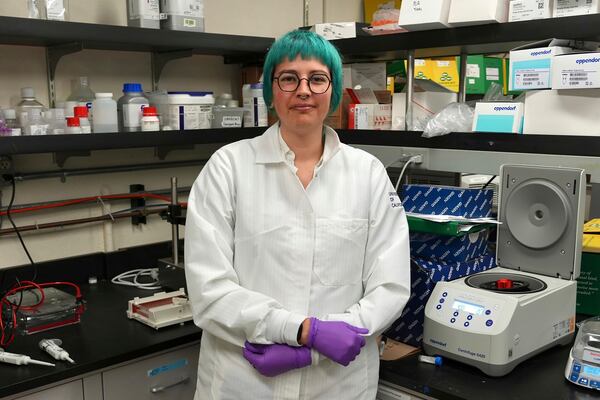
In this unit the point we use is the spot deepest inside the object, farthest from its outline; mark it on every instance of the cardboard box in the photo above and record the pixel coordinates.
(339, 118)
(588, 283)
(371, 7)
(562, 112)
(477, 12)
(532, 68)
(525, 10)
(576, 71)
(336, 30)
(569, 8)
(449, 248)
(498, 117)
(482, 72)
(445, 73)
(370, 116)
(424, 15)
(424, 275)
(447, 200)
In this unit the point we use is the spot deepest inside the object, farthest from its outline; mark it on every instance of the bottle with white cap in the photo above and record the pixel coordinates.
(105, 114)
(28, 102)
(10, 120)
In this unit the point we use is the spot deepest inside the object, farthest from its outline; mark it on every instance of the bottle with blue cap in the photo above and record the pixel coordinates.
(130, 107)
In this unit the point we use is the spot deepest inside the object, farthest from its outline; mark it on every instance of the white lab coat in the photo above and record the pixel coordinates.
(262, 254)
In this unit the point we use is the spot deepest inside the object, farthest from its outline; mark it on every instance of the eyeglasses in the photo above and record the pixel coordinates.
(290, 81)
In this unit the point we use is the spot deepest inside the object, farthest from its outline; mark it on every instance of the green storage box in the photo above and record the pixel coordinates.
(588, 285)
(481, 72)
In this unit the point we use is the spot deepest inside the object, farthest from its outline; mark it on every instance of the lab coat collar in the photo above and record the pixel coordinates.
(268, 148)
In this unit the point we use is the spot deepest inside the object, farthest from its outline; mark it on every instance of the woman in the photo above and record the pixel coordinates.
(296, 247)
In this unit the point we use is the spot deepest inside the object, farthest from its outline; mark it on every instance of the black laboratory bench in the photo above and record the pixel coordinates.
(106, 337)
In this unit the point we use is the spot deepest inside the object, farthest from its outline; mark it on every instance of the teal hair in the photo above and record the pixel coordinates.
(308, 45)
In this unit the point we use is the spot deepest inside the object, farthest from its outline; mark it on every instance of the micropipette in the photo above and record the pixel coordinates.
(20, 359)
(52, 347)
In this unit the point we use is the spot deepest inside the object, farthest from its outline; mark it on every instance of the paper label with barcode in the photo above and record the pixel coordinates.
(580, 78)
(532, 79)
(473, 71)
(567, 8)
(562, 328)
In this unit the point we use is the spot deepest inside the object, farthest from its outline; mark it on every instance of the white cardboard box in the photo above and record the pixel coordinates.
(562, 112)
(370, 116)
(336, 30)
(498, 117)
(576, 71)
(569, 8)
(418, 15)
(477, 12)
(525, 10)
(532, 68)
(425, 106)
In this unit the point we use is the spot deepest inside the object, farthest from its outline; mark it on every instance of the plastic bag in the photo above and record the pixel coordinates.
(456, 117)
(495, 93)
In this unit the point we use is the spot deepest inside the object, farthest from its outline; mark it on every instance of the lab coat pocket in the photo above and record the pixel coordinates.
(340, 250)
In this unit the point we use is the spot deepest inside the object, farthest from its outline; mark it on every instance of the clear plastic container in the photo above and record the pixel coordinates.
(56, 121)
(183, 15)
(130, 106)
(81, 92)
(143, 13)
(105, 114)
(10, 121)
(36, 125)
(28, 103)
(48, 9)
(228, 117)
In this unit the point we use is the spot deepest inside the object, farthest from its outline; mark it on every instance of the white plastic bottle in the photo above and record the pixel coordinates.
(10, 119)
(150, 121)
(73, 126)
(81, 112)
(105, 114)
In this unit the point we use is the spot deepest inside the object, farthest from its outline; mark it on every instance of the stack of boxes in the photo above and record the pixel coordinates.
(588, 283)
(436, 257)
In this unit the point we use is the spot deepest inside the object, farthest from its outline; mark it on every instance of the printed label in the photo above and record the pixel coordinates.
(473, 71)
(184, 8)
(230, 121)
(561, 328)
(394, 200)
(531, 79)
(55, 10)
(492, 74)
(144, 9)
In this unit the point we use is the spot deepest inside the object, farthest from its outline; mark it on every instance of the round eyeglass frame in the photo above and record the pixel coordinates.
(301, 79)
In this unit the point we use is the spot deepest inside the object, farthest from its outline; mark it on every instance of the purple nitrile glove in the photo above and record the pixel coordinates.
(336, 340)
(274, 359)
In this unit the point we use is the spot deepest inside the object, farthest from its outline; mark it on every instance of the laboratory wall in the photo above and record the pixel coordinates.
(107, 71)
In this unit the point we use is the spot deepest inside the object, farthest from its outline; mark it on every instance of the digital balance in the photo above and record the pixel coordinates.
(497, 319)
(583, 367)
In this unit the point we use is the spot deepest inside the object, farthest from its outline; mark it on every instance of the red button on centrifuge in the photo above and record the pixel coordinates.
(504, 284)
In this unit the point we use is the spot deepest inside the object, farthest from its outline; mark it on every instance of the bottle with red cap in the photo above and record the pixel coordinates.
(73, 125)
(150, 121)
(81, 112)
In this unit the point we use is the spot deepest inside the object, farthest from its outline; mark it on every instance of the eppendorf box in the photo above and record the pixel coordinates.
(424, 14)
(569, 8)
(576, 71)
(525, 10)
(532, 68)
(498, 117)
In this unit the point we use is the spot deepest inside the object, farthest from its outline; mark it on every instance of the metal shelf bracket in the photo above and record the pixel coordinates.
(160, 59)
(60, 158)
(162, 151)
(53, 56)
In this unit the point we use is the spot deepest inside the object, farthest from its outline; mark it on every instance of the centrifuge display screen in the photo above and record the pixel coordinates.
(589, 370)
(468, 307)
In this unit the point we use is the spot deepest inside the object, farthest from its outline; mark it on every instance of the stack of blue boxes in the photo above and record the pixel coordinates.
(437, 258)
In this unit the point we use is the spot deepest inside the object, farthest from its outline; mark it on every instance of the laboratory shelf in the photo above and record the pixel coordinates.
(491, 142)
(480, 39)
(35, 32)
(106, 141)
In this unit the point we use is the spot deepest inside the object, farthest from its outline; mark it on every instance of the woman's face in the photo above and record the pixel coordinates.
(301, 108)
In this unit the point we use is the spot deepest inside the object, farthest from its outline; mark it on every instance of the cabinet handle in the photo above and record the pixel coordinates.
(158, 389)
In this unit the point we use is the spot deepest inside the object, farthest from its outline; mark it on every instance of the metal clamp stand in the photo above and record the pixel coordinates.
(171, 269)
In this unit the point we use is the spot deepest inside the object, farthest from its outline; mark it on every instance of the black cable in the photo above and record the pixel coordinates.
(10, 205)
(488, 182)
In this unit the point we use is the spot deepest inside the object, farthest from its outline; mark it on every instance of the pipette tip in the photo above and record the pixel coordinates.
(47, 364)
(69, 359)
